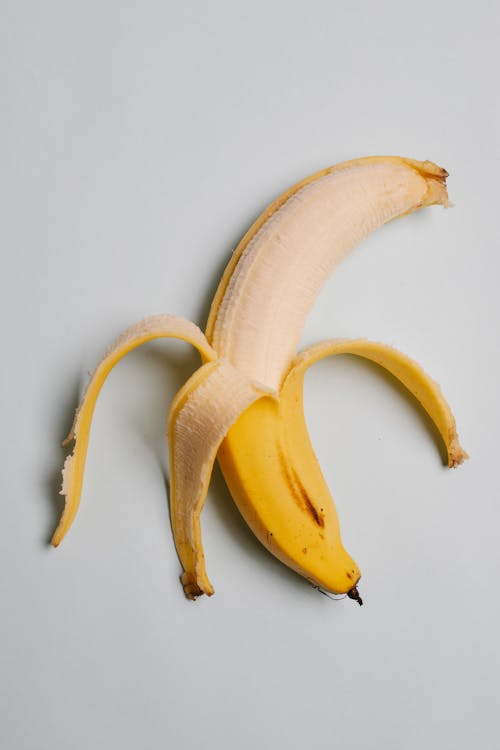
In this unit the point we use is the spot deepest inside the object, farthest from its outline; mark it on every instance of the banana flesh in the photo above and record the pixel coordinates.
(244, 405)
(257, 319)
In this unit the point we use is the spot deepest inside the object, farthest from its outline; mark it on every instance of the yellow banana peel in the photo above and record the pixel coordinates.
(244, 405)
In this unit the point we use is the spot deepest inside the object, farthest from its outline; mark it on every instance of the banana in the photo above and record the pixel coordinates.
(244, 404)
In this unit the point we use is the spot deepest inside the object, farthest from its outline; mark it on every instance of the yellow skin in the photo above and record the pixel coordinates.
(275, 479)
(164, 326)
(258, 434)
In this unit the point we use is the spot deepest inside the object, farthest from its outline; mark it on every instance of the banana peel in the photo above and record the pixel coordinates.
(244, 405)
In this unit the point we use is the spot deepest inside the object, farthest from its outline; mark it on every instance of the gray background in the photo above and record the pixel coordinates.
(138, 142)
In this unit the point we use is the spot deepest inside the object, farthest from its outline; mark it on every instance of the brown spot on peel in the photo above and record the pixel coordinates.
(314, 513)
(299, 491)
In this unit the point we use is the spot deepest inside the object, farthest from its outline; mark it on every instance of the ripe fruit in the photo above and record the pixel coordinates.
(244, 404)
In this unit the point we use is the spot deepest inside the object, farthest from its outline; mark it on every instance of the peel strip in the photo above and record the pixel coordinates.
(403, 368)
(200, 417)
(155, 327)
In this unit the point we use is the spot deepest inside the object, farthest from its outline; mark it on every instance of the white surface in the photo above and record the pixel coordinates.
(138, 142)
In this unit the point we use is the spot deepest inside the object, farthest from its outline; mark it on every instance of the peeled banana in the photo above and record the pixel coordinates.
(244, 404)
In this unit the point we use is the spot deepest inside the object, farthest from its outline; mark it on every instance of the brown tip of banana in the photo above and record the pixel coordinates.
(437, 193)
(434, 171)
(428, 169)
(192, 588)
(354, 594)
(435, 179)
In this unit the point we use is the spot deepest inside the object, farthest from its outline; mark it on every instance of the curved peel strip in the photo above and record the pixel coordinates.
(200, 416)
(404, 369)
(155, 327)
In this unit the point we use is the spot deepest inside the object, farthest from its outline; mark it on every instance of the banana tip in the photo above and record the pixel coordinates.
(54, 542)
(456, 454)
(354, 594)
